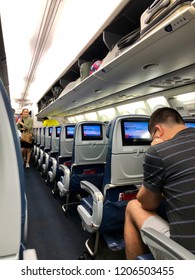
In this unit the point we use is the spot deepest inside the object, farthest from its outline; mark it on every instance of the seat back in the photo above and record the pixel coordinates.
(12, 198)
(41, 149)
(43, 157)
(38, 138)
(48, 133)
(55, 137)
(90, 143)
(88, 159)
(89, 154)
(128, 141)
(37, 144)
(189, 121)
(66, 140)
(35, 134)
(42, 142)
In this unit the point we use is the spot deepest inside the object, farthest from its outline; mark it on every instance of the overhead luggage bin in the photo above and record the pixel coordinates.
(157, 53)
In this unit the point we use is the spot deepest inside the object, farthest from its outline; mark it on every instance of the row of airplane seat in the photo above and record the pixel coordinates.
(100, 161)
(64, 156)
(102, 165)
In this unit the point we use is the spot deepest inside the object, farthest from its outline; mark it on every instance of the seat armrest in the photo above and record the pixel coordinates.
(29, 254)
(166, 247)
(54, 160)
(92, 190)
(40, 159)
(92, 222)
(64, 186)
(52, 172)
(46, 164)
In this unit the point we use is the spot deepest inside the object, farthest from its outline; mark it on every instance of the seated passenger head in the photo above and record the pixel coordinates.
(164, 123)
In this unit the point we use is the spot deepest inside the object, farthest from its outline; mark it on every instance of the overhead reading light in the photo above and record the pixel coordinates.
(150, 66)
(98, 90)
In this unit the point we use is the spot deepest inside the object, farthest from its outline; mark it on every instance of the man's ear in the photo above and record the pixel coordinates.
(160, 130)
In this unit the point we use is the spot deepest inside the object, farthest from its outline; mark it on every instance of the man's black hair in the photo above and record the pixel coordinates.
(164, 115)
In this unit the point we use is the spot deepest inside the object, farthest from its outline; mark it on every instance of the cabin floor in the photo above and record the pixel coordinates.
(56, 235)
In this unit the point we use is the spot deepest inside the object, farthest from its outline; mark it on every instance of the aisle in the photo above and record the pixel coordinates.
(54, 234)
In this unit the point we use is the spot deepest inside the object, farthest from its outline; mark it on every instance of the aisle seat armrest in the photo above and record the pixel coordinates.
(170, 249)
(52, 173)
(91, 221)
(64, 186)
(30, 254)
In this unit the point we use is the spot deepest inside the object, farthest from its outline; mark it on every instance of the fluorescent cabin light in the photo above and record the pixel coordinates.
(91, 116)
(80, 118)
(186, 97)
(107, 114)
(131, 107)
(156, 102)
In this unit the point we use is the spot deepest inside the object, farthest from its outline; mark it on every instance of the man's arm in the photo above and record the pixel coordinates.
(148, 199)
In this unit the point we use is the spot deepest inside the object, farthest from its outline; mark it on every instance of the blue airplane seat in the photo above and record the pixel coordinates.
(41, 148)
(102, 211)
(50, 149)
(66, 136)
(88, 159)
(37, 144)
(189, 121)
(35, 129)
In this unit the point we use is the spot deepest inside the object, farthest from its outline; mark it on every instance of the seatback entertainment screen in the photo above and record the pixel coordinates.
(50, 131)
(69, 131)
(58, 129)
(92, 132)
(135, 132)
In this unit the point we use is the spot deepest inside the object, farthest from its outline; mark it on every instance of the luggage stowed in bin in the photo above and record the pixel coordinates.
(84, 70)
